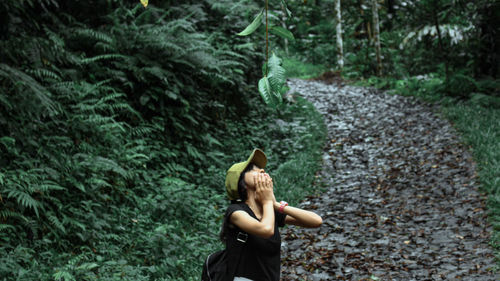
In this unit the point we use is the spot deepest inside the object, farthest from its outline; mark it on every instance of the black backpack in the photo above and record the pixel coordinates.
(221, 265)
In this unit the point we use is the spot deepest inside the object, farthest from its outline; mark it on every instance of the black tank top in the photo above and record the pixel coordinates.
(260, 260)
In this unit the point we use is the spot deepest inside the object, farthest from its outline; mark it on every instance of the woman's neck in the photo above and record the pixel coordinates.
(253, 204)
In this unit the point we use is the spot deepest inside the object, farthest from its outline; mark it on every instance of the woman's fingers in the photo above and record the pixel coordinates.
(259, 181)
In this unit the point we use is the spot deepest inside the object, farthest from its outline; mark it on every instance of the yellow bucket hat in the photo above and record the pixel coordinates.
(233, 174)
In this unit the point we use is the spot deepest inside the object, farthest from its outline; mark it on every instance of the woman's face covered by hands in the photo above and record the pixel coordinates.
(253, 176)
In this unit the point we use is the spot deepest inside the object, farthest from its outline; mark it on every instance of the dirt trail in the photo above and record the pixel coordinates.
(401, 200)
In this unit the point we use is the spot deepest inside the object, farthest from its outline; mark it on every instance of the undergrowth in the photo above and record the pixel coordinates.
(117, 124)
(296, 68)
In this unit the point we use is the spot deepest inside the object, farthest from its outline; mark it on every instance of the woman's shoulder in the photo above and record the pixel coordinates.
(239, 206)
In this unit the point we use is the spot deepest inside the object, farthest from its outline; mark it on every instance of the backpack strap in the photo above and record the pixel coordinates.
(234, 254)
(235, 249)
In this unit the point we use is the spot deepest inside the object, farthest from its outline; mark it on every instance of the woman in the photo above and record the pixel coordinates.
(256, 212)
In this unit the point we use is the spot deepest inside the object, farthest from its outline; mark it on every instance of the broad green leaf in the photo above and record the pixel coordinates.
(278, 96)
(281, 32)
(275, 83)
(253, 26)
(265, 90)
(275, 68)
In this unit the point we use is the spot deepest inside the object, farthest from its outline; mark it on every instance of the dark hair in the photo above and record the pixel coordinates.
(242, 192)
(242, 188)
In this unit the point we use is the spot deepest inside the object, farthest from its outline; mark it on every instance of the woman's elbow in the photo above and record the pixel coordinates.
(317, 222)
(266, 232)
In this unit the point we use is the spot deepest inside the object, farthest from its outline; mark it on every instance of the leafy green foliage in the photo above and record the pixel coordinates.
(411, 46)
(270, 86)
(117, 124)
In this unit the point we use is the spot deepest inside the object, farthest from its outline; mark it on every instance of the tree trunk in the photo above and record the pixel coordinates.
(390, 14)
(366, 23)
(340, 51)
(376, 36)
(440, 41)
(283, 24)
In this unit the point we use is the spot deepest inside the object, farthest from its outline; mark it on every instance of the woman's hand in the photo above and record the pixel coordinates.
(264, 188)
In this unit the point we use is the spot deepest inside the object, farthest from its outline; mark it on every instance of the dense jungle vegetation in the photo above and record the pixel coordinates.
(118, 122)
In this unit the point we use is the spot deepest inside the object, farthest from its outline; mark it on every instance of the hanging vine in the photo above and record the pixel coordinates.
(271, 85)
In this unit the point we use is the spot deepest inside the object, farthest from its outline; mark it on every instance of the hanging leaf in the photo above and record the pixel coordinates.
(278, 96)
(276, 85)
(253, 26)
(276, 70)
(281, 32)
(285, 7)
(265, 90)
(144, 3)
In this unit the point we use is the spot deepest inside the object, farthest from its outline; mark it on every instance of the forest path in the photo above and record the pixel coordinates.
(401, 200)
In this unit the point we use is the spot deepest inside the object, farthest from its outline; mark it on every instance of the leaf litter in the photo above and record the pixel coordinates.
(401, 198)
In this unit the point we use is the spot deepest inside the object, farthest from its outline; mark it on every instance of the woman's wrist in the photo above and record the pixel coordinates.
(266, 202)
(276, 205)
(283, 204)
(280, 206)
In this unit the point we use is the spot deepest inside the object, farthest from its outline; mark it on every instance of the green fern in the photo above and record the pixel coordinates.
(92, 34)
(24, 82)
(5, 227)
(54, 221)
(100, 58)
(63, 276)
(24, 198)
(42, 74)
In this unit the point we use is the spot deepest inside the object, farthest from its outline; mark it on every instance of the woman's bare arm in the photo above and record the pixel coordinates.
(263, 228)
(300, 217)
(264, 196)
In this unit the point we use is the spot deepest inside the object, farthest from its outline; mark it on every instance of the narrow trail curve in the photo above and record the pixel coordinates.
(401, 199)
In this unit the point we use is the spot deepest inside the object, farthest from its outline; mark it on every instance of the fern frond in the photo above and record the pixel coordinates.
(230, 54)
(63, 85)
(5, 102)
(72, 222)
(8, 142)
(63, 276)
(5, 214)
(179, 24)
(24, 199)
(167, 45)
(4, 227)
(101, 57)
(93, 34)
(55, 39)
(111, 97)
(184, 62)
(229, 63)
(105, 47)
(19, 78)
(111, 127)
(44, 73)
(48, 186)
(56, 222)
(141, 131)
(101, 164)
(155, 71)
